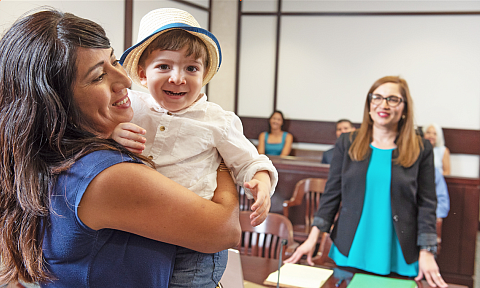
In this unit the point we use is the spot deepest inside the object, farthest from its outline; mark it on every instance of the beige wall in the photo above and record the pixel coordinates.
(224, 27)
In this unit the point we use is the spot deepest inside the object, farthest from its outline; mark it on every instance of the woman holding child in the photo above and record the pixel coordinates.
(78, 209)
(381, 182)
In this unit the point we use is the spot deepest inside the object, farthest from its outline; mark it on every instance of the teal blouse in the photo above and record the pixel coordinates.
(375, 247)
(276, 148)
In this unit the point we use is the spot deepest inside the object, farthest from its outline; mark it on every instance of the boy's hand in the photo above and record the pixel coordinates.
(128, 135)
(261, 194)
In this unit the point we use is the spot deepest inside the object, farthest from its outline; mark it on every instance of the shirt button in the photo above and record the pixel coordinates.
(395, 218)
(162, 128)
(150, 157)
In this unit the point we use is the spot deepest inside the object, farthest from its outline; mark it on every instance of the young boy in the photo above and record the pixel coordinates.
(174, 58)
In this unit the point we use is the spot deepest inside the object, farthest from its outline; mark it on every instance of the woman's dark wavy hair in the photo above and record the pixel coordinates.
(39, 134)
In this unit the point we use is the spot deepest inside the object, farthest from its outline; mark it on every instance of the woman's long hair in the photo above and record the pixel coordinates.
(408, 142)
(39, 137)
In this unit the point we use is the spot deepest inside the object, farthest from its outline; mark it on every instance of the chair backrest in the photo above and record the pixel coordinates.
(243, 201)
(265, 239)
(309, 191)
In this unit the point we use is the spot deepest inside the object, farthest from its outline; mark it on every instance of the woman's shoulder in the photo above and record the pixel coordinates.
(346, 139)
(106, 155)
(99, 160)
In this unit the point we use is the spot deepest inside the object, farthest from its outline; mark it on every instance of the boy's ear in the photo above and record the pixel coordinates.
(142, 75)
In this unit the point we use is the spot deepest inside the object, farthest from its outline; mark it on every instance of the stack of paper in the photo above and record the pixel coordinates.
(370, 281)
(302, 276)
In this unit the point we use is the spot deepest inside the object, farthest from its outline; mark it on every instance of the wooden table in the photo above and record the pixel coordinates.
(257, 269)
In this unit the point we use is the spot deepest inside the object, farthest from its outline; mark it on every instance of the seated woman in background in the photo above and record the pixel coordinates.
(434, 134)
(275, 141)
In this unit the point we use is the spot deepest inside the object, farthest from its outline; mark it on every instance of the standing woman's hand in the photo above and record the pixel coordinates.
(307, 248)
(427, 266)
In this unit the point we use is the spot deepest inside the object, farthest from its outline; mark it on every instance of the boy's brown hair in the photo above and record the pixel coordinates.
(175, 40)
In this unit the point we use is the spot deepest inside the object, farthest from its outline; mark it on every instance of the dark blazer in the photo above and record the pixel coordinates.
(327, 156)
(413, 199)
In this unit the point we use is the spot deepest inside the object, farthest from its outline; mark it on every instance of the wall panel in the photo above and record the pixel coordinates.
(257, 66)
(110, 14)
(327, 64)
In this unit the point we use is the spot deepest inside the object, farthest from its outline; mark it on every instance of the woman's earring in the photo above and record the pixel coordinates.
(403, 116)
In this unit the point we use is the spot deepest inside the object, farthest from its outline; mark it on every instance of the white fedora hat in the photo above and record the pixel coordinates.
(158, 21)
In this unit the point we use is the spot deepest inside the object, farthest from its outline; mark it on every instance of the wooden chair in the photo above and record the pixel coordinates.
(265, 239)
(243, 201)
(439, 234)
(307, 192)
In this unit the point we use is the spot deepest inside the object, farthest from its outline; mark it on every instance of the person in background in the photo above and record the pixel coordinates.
(443, 204)
(381, 184)
(342, 126)
(443, 199)
(434, 134)
(275, 141)
(77, 208)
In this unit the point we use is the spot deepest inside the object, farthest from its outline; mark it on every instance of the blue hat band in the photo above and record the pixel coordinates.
(180, 26)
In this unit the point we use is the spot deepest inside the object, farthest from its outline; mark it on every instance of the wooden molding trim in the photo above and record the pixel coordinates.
(127, 38)
(426, 13)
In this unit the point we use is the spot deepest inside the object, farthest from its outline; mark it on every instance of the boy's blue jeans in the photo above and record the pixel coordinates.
(195, 269)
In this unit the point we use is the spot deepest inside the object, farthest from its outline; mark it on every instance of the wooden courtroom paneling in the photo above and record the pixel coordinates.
(302, 131)
(462, 141)
(459, 231)
(459, 141)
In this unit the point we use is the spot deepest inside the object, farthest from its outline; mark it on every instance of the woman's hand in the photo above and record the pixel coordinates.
(428, 267)
(307, 248)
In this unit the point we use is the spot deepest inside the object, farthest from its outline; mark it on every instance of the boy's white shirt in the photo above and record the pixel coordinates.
(185, 145)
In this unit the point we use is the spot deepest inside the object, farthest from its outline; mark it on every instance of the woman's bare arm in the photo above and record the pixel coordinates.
(446, 162)
(137, 199)
(261, 143)
(287, 147)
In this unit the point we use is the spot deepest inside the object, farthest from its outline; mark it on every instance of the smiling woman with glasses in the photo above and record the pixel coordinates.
(383, 177)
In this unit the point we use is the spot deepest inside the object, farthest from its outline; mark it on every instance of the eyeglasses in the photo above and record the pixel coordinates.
(392, 101)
